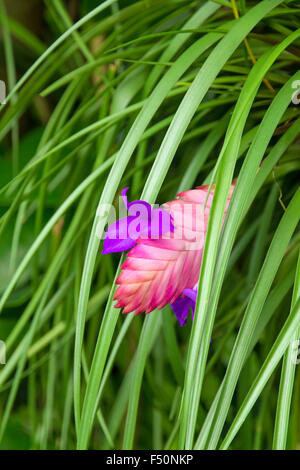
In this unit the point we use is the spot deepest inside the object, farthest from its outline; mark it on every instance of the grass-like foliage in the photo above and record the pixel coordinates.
(160, 96)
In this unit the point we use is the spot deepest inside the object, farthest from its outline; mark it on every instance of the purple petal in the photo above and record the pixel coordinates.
(117, 238)
(130, 205)
(116, 246)
(123, 193)
(181, 307)
(192, 294)
(161, 222)
(122, 234)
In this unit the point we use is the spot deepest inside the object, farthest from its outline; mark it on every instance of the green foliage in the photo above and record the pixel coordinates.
(161, 97)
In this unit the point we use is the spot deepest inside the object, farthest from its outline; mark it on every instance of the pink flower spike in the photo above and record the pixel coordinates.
(182, 306)
(167, 267)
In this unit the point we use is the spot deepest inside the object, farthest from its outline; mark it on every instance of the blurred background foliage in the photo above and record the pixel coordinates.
(98, 111)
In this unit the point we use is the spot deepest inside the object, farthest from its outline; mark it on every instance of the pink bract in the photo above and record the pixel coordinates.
(157, 271)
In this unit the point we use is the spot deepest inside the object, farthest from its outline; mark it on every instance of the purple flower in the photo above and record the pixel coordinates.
(142, 220)
(181, 306)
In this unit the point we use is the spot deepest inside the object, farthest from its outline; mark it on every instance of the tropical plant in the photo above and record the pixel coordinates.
(161, 97)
